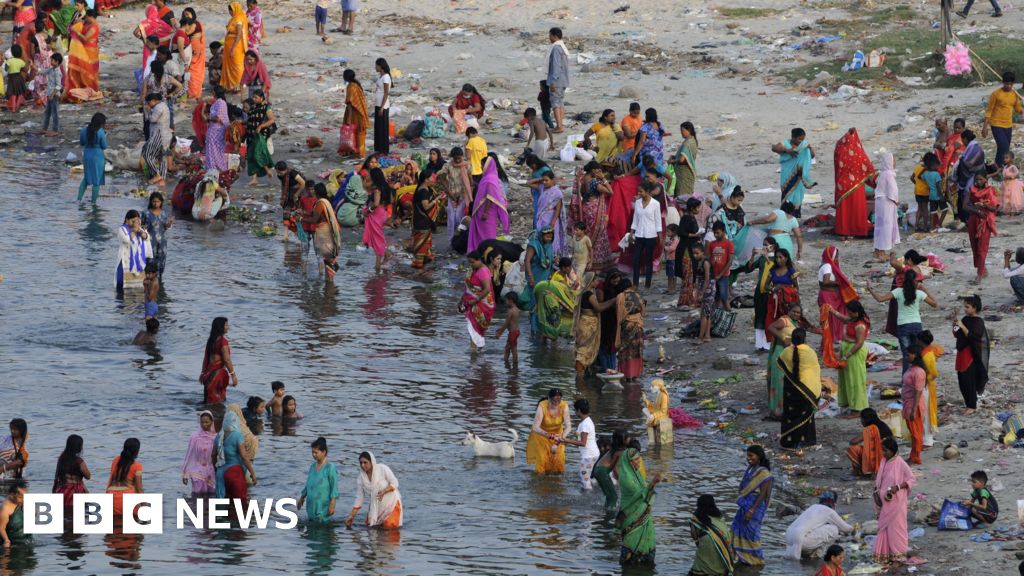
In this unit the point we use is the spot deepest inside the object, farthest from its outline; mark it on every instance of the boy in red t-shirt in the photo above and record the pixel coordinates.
(720, 254)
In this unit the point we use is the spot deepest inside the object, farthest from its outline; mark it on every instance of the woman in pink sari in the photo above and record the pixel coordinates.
(152, 26)
(892, 491)
(490, 207)
(381, 196)
(477, 301)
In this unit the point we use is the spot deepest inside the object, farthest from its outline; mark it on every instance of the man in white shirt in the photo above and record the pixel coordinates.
(1016, 274)
(644, 233)
(815, 529)
(587, 441)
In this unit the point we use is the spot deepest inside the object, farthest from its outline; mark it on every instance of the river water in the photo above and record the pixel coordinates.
(377, 363)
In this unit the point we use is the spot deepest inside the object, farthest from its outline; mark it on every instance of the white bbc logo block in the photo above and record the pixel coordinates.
(44, 514)
(92, 514)
(150, 510)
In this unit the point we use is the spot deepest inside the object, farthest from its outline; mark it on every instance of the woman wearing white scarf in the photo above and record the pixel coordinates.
(377, 485)
(887, 198)
(135, 250)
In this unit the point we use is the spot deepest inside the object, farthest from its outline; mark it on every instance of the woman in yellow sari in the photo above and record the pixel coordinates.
(609, 137)
(356, 112)
(930, 353)
(83, 56)
(545, 449)
(556, 302)
(801, 390)
(235, 44)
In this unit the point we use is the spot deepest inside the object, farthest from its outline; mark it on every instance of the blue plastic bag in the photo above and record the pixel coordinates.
(954, 516)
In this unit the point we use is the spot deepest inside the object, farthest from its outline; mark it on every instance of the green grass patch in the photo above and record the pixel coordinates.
(917, 47)
(747, 12)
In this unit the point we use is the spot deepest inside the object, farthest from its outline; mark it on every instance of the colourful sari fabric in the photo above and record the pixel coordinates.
(556, 305)
(153, 25)
(746, 534)
(620, 207)
(230, 474)
(853, 377)
(327, 238)
(892, 542)
(800, 390)
(214, 375)
(775, 376)
(982, 224)
(686, 174)
(795, 177)
(373, 230)
(83, 59)
(587, 334)
(197, 66)
(118, 488)
(255, 18)
(929, 355)
(714, 548)
(867, 456)
(853, 169)
(198, 467)
(479, 314)
(538, 448)
(551, 200)
(235, 45)
(356, 114)
(591, 207)
(63, 18)
(490, 208)
(215, 128)
(630, 342)
(635, 520)
(69, 485)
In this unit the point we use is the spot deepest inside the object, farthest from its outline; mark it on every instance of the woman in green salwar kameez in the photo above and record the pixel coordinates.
(634, 520)
(321, 491)
(685, 162)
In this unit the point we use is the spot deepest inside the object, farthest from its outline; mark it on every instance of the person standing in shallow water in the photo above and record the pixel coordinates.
(321, 490)
(93, 139)
(218, 369)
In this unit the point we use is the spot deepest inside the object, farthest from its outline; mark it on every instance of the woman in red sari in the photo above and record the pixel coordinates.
(477, 301)
(83, 56)
(853, 169)
(218, 370)
(981, 226)
(835, 290)
(71, 474)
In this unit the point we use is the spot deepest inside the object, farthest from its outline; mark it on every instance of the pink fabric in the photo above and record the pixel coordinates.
(913, 385)
(257, 71)
(153, 26)
(373, 231)
(1012, 198)
(892, 539)
(835, 301)
(489, 209)
(682, 419)
(887, 227)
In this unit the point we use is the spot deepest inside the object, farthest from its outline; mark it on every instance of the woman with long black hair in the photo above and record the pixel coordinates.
(125, 474)
(93, 139)
(71, 474)
(381, 106)
(218, 369)
(972, 350)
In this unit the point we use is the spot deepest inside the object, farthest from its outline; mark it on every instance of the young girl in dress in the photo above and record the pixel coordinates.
(1011, 197)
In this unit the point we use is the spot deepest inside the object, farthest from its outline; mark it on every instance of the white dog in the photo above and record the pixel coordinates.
(494, 449)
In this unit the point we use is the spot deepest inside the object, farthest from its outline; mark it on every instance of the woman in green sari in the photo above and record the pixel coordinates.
(556, 302)
(352, 205)
(685, 162)
(714, 547)
(634, 520)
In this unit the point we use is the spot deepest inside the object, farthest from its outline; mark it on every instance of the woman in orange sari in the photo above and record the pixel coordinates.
(356, 112)
(235, 44)
(125, 475)
(83, 56)
(865, 451)
(197, 68)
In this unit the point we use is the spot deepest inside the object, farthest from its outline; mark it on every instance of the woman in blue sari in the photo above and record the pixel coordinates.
(795, 157)
(539, 168)
(540, 264)
(755, 495)
(232, 461)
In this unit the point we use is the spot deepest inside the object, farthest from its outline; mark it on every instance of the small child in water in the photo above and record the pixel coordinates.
(982, 504)
(581, 246)
(276, 404)
(151, 285)
(290, 409)
(512, 325)
(148, 336)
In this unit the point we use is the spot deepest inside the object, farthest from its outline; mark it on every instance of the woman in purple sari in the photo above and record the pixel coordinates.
(550, 213)
(216, 123)
(490, 207)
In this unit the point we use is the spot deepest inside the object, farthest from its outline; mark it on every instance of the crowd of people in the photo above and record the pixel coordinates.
(630, 211)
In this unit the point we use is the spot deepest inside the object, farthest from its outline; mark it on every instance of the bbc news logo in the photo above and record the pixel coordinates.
(144, 514)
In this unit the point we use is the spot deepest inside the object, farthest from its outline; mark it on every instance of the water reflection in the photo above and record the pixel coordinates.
(124, 549)
(377, 549)
(322, 544)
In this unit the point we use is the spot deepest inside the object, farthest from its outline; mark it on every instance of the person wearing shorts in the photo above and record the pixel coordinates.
(348, 16)
(320, 17)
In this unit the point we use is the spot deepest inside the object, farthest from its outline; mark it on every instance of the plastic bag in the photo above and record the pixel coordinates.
(183, 146)
(568, 153)
(471, 122)
(954, 516)
(347, 139)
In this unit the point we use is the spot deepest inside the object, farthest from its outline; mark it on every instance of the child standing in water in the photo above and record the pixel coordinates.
(147, 337)
(276, 404)
(589, 452)
(151, 285)
(581, 246)
(512, 325)
(290, 409)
